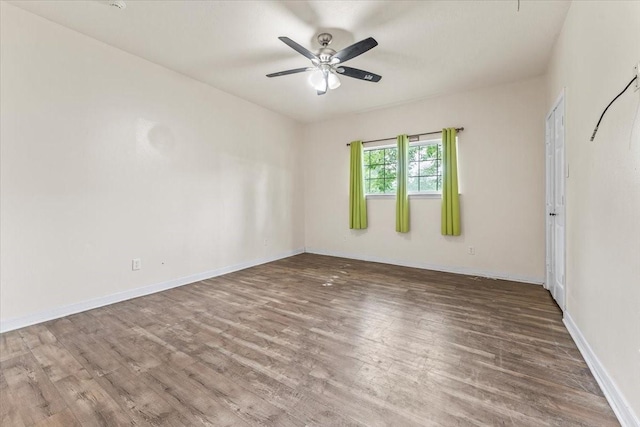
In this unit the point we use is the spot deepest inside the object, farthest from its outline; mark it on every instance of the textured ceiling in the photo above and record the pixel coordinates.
(425, 48)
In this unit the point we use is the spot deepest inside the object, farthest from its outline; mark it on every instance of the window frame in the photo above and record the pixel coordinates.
(419, 194)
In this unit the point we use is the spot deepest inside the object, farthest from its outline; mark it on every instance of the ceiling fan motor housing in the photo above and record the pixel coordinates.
(325, 54)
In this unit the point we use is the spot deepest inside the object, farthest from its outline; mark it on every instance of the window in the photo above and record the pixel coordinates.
(424, 168)
(380, 170)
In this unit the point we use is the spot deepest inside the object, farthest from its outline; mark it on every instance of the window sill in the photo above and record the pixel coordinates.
(411, 196)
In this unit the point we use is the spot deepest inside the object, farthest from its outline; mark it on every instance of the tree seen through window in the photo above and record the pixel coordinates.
(424, 169)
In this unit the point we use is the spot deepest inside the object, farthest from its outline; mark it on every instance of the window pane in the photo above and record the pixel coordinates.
(376, 186)
(367, 186)
(414, 169)
(431, 152)
(429, 183)
(392, 184)
(414, 153)
(412, 186)
(439, 183)
(390, 155)
(376, 157)
(366, 157)
(376, 171)
(390, 171)
(429, 168)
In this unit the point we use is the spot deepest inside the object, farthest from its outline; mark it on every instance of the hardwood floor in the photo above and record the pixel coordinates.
(309, 340)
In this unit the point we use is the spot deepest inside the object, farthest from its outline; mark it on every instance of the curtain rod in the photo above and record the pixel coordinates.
(410, 136)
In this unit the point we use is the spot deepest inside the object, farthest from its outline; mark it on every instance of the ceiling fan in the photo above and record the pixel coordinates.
(327, 63)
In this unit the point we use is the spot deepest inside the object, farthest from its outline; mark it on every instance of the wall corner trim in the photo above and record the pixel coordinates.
(614, 396)
(11, 324)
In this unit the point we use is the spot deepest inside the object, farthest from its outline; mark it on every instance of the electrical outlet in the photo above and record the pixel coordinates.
(136, 264)
(636, 71)
(471, 250)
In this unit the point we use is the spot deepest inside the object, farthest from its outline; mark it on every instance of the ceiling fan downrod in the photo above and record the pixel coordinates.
(325, 53)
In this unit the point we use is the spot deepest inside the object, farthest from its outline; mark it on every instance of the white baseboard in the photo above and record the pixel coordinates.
(57, 312)
(616, 399)
(425, 266)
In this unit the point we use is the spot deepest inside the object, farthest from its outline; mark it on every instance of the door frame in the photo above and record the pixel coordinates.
(548, 218)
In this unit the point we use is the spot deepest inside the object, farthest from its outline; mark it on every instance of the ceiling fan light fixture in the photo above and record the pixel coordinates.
(334, 81)
(316, 79)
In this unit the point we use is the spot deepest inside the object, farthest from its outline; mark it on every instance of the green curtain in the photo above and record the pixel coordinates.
(357, 202)
(450, 197)
(402, 198)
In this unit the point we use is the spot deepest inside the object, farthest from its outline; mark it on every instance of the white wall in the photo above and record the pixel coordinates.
(593, 59)
(107, 157)
(501, 170)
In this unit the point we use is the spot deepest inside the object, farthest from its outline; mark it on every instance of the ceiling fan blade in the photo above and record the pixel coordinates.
(355, 49)
(300, 49)
(359, 74)
(287, 72)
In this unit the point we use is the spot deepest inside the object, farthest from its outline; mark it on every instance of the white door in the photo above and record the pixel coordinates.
(555, 203)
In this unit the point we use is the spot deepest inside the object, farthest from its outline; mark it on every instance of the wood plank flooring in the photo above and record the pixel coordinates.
(307, 341)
